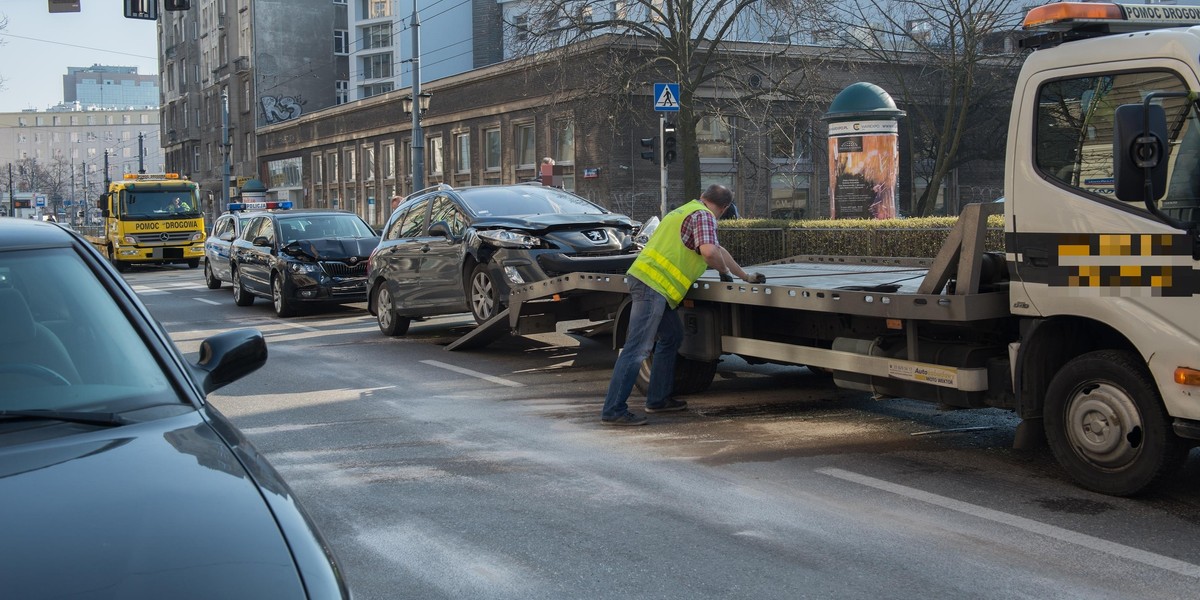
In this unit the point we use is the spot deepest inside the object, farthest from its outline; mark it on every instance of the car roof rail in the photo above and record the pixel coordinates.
(441, 187)
(530, 182)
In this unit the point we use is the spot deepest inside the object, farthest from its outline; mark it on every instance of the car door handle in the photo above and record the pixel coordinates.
(425, 248)
(1037, 257)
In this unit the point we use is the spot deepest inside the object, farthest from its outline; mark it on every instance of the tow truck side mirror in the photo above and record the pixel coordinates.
(1139, 152)
(102, 204)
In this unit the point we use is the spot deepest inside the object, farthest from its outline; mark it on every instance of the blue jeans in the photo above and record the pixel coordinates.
(649, 318)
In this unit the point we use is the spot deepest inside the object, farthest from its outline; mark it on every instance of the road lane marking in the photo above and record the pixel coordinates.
(207, 301)
(1165, 563)
(484, 376)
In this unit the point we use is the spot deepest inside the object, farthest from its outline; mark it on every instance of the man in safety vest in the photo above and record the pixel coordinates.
(677, 254)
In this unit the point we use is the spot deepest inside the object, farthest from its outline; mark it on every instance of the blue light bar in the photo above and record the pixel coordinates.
(236, 206)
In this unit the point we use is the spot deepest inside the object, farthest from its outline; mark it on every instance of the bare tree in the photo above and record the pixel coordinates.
(690, 42)
(951, 61)
(3, 27)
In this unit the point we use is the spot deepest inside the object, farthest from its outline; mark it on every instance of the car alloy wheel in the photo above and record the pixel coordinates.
(241, 296)
(482, 294)
(210, 279)
(390, 323)
(284, 307)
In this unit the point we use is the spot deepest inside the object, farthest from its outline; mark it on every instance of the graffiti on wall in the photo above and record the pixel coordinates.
(281, 108)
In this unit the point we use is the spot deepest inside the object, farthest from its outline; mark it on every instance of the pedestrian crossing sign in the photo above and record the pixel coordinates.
(666, 97)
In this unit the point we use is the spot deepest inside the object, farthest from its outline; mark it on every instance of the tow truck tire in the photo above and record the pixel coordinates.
(1106, 424)
(194, 263)
(284, 306)
(210, 279)
(482, 294)
(120, 265)
(390, 323)
(241, 296)
(691, 376)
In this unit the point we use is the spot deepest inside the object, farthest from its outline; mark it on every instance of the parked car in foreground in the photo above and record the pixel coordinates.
(302, 257)
(118, 479)
(447, 250)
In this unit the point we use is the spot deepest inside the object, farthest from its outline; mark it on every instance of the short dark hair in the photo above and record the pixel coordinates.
(718, 194)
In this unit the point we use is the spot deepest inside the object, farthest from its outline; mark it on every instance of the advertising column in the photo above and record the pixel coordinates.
(864, 153)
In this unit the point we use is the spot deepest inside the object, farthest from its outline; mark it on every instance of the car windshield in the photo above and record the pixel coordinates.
(316, 227)
(67, 344)
(526, 200)
(155, 204)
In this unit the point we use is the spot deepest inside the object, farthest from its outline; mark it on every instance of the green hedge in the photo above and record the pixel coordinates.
(754, 241)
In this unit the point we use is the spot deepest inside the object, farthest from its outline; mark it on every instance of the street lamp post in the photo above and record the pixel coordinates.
(418, 149)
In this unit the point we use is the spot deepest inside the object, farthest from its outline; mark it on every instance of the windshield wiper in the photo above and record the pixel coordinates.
(90, 418)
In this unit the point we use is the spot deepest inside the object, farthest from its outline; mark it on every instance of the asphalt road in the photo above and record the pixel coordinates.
(487, 474)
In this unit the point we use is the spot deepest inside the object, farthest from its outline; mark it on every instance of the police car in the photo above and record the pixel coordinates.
(228, 227)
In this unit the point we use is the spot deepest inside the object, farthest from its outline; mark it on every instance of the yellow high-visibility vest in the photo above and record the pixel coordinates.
(665, 264)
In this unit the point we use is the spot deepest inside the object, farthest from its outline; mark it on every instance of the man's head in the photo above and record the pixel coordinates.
(717, 197)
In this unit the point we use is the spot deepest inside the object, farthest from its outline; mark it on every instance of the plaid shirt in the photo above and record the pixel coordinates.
(699, 228)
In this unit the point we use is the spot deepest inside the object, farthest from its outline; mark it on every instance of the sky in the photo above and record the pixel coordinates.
(37, 47)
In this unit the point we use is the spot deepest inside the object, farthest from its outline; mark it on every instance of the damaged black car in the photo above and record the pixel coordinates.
(302, 258)
(451, 250)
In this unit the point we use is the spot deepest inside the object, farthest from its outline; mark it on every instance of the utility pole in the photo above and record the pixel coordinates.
(74, 195)
(418, 138)
(224, 149)
(141, 154)
(662, 164)
(106, 179)
(10, 191)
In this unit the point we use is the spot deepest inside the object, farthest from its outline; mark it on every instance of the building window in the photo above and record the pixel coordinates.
(366, 91)
(195, 159)
(376, 66)
(376, 9)
(351, 171)
(388, 161)
(491, 149)
(564, 141)
(250, 153)
(341, 41)
(713, 139)
(317, 171)
(526, 145)
(789, 196)
(462, 143)
(368, 163)
(376, 36)
(435, 155)
(341, 91)
(791, 141)
(331, 165)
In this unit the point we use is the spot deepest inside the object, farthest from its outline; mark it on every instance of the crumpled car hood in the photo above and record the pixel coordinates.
(161, 509)
(332, 248)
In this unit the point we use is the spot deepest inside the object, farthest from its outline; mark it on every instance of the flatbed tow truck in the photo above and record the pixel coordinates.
(1085, 326)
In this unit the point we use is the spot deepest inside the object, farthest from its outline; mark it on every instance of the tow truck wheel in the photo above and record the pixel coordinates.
(241, 296)
(1107, 426)
(194, 263)
(120, 265)
(210, 279)
(482, 294)
(691, 376)
(284, 306)
(390, 323)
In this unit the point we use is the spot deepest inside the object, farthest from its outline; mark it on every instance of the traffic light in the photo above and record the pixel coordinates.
(141, 9)
(651, 154)
(668, 142)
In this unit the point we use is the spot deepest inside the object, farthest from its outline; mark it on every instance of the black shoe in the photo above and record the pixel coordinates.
(670, 405)
(628, 419)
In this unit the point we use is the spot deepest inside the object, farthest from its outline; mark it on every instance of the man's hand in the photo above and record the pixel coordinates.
(755, 278)
(726, 277)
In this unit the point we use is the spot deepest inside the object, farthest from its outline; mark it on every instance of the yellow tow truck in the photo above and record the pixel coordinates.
(151, 219)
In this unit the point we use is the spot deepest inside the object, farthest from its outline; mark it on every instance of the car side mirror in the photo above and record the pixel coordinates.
(227, 236)
(1139, 152)
(229, 356)
(262, 241)
(441, 228)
